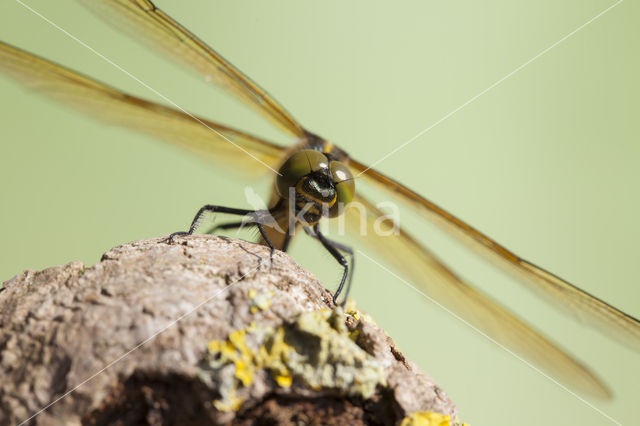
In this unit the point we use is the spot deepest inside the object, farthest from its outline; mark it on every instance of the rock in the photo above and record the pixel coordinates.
(208, 330)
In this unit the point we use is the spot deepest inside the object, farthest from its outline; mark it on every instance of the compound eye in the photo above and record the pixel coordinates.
(345, 186)
(297, 166)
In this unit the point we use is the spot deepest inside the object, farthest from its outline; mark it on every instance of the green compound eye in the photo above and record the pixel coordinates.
(345, 186)
(297, 166)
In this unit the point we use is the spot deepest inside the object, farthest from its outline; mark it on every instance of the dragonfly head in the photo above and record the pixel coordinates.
(321, 186)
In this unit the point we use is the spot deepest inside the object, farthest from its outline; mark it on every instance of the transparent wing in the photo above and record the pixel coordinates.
(434, 279)
(221, 144)
(569, 298)
(152, 26)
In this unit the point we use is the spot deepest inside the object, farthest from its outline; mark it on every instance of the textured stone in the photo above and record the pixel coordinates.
(139, 337)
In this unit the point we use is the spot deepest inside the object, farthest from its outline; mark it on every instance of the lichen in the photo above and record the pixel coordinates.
(314, 350)
(259, 300)
(351, 310)
(429, 418)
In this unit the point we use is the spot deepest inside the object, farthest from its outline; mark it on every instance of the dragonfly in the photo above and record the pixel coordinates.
(227, 146)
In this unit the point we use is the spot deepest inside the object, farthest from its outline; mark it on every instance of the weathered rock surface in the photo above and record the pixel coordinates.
(205, 331)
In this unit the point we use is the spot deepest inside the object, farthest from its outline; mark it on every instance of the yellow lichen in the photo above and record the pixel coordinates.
(233, 404)
(350, 309)
(429, 418)
(241, 356)
(316, 349)
(354, 334)
(235, 351)
(244, 372)
(259, 301)
(284, 381)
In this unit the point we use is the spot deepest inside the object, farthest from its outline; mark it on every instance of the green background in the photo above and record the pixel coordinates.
(546, 162)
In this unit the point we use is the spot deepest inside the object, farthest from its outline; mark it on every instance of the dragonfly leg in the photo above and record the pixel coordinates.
(266, 239)
(209, 208)
(335, 249)
(287, 240)
(239, 224)
(229, 225)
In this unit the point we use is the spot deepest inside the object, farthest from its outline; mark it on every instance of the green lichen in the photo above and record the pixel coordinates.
(314, 350)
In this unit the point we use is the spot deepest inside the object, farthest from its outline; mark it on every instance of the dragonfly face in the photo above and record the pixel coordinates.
(324, 187)
(320, 186)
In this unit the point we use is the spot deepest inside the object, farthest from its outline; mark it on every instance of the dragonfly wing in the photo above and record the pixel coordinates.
(442, 285)
(224, 145)
(152, 26)
(566, 296)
